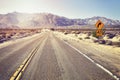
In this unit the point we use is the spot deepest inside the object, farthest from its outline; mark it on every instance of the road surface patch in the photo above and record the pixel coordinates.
(100, 66)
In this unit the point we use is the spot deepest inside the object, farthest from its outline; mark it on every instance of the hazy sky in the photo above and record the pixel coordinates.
(67, 8)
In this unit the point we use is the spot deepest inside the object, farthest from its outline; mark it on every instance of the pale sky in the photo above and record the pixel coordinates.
(67, 8)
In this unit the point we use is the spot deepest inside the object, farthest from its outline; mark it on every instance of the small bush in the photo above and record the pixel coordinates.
(65, 33)
(80, 38)
(101, 41)
(116, 44)
(87, 37)
(108, 42)
(94, 34)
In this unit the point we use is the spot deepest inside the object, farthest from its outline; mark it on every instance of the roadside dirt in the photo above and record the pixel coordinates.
(107, 56)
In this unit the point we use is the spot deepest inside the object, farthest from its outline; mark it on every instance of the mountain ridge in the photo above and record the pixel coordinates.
(24, 20)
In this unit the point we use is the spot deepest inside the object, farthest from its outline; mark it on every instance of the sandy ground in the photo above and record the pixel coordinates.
(107, 56)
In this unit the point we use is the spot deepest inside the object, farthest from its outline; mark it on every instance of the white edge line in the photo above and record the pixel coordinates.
(100, 66)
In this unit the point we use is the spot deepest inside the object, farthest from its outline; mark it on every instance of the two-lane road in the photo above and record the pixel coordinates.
(54, 60)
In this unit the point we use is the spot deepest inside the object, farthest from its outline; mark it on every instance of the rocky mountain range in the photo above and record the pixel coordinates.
(25, 20)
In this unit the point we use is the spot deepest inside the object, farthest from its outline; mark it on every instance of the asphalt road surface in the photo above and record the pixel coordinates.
(54, 60)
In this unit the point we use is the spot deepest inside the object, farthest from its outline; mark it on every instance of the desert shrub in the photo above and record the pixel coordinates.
(89, 34)
(101, 42)
(108, 42)
(116, 44)
(94, 34)
(80, 38)
(77, 32)
(111, 35)
(87, 37)
(65, 32)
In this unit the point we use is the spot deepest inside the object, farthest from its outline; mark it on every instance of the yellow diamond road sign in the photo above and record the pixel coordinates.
(99, 24)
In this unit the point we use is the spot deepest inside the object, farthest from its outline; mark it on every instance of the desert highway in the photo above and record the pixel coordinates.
(52, 60)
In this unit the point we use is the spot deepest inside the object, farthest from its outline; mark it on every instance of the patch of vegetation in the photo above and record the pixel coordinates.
(87, 37)
(80, 38)
(94, 34)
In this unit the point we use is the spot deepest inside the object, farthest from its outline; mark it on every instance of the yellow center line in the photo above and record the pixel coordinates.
(18, 73)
